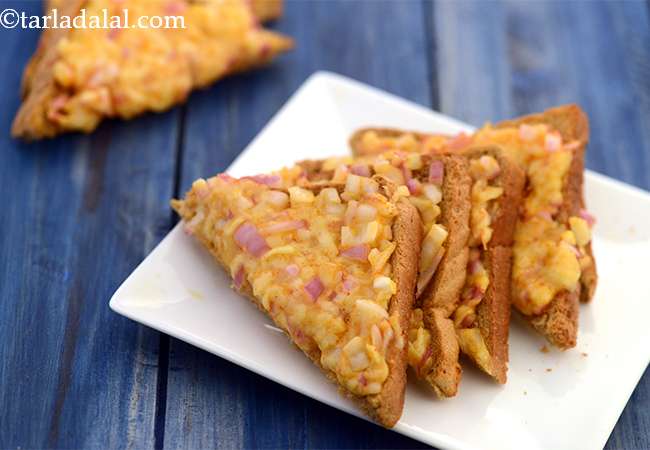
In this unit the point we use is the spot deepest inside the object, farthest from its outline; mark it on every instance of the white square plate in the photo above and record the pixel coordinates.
(553, 400)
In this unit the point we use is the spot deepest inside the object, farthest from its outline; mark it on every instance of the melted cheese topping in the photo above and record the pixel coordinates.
(124, 72)
(319, 264)
(372, 143)
(483, 170)
(420, 355)
(400, 166)
(547, 258)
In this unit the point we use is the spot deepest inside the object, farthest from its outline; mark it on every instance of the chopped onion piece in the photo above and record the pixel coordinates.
(526, 132)
(591, 220)
(360, 169)
(239, 277)
(248, 238)
(359, 252)
(349, 284)
(436, 172)
(281, 227)
(414, 186)
(461, 140)
(273, 181)
(553, 142)
(292, 270)
(314, 288)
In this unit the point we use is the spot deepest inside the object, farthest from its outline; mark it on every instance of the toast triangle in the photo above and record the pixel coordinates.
(289, 252)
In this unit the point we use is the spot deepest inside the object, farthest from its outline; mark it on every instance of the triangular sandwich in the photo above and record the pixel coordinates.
(79, 76)
(334, 266)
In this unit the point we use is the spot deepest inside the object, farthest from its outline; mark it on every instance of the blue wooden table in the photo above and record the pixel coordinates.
(80, 212)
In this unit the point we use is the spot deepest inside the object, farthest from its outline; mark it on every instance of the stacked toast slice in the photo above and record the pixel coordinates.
(439, 187)
(411, 251)
(553, 263)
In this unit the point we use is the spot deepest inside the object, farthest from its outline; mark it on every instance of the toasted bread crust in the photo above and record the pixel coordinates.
(446, 372)
(493, 313)
(39, 87)
(443, 292)
(559, 323)
(407, 230)
(266, 10)
(442, 295)
(573, 125)
(385, 407)
(355, 140)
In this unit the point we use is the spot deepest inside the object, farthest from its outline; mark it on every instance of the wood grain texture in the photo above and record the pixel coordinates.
(79, 214)
(518, 57)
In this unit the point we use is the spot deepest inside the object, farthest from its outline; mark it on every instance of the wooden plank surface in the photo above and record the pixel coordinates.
(81, 212)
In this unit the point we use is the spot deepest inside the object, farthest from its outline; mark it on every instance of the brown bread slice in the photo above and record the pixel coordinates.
(49, 108)
(572, 124)
(441, 295)
(558, 323)
(264, 11)
(386, 406)
(493, 312)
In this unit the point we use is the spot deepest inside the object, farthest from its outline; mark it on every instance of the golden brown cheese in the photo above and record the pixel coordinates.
(547, 257)
(483, 170)
(398, 167)
(319, 263)
(420, 356)
(127, 71)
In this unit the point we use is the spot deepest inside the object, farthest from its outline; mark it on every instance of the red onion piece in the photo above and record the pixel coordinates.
(552, 142)
(360, 169)
(281, 227)
(175, 8)
(461, 140)
(349, 284)
(473, 266)
(526, 132)
(239, 277)
(248, 238)
(273, 181)
(406, 173)
(591, 220)
(436, 172)
(292, 270)
(414, 186)
(359, 252)
(225, 177)
(314, 288)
